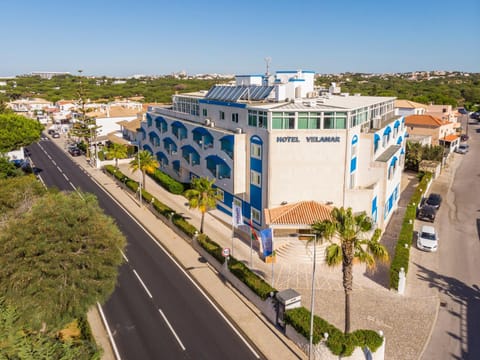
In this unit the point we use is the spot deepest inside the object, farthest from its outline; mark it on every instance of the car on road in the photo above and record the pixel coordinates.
(55, 135)
(427, 213)
(475, 115)
(462, 111)
(427, 239)
(462, 149)
(434, 200)
(74, 151)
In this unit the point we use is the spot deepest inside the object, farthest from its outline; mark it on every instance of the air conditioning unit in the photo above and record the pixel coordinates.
(212, 124)
(207, 122)
(238, 130)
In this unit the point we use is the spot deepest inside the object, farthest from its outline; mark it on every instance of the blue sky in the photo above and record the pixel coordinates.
(123, 38)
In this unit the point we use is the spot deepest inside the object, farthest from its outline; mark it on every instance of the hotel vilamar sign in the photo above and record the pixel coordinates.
(308, 139)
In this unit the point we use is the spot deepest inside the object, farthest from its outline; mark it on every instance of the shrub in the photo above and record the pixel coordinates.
(249, 278)
(162, 208)
(184, 225)
(404, 243)
(167, 182)
(211, 247)
(338, 342)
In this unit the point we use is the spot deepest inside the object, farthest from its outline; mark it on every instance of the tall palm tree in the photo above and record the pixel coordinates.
(144, 161)
(353, 231)
(117, 151)
(202, 196)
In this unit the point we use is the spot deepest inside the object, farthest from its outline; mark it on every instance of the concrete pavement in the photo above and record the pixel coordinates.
(406, 321)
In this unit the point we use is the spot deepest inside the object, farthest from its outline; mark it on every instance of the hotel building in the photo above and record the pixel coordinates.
(271, 140)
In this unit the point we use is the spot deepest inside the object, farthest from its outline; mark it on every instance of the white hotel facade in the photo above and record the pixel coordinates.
(273, 140)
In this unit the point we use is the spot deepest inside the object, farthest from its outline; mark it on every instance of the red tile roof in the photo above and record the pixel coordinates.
(424, 120)
(301, 213)
(450, 138)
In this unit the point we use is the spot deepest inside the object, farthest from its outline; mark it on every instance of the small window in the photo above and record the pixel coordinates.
(256, 151)
(255, 178)
(222, 115)
(256, 216)
(352, 180)
(237, 202)
(204, 112)
(235, 117)
(220, 195)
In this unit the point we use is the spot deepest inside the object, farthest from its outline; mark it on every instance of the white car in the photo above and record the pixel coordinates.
(427, 239)
(462, 149)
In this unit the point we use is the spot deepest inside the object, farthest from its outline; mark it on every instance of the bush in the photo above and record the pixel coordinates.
(211, 247)
(404, 243)
(338, 342)
(249, 278)
(167, 182)
(184, 225)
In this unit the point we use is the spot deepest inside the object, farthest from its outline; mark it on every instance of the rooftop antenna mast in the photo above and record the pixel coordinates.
(268, 59)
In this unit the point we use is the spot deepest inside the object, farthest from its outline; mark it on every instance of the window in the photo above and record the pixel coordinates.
(328, 121)
(256, 215)
(352, 180)
(220, 195)
(222, 115)
(237, 202)
(255, 178)
(283, 120)
(252, 118)
(235, 117)
(255, 151)
(262, 119)
(204, 112)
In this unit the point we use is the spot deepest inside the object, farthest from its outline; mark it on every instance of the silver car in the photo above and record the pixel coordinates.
(427, 239)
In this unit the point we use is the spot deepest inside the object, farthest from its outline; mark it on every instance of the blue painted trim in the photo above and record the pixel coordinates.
(222, 209)
(296, 80)
(399, 141)
(256, 140)
(355, 139)
(294, 71)
(353, 164)
(222, 103)
(376, 137)
(387, 131)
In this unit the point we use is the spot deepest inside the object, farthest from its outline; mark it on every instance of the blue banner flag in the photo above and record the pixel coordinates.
(237, 217)
(267, 241)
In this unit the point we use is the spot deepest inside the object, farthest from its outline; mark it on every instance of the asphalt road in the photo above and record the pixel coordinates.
(456, 272)
(156, 311)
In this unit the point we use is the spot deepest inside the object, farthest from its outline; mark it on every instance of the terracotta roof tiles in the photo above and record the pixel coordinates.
(303, 212)
(424, 120)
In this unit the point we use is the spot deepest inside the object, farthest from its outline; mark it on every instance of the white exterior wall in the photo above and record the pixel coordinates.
(108, 125)
(301, 170)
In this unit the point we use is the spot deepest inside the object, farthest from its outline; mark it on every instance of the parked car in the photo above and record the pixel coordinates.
(463, 137)
(74, 151)
(51, 131)
(434, 200)
(55, 135)
(462, 111)
(427, 239)
(462, 149)
(427, 213)
(475, 115)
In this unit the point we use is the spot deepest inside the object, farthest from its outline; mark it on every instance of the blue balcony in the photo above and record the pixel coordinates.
(162, 159)
(202, 137)
(154, 138)
(226, 144)
(161, 124)
(190, 155)
(179, 130)
(218, 167)
(170, 146)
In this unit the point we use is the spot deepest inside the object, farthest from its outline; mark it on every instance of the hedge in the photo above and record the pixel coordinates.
(404, 243)
(249, 278)
(167, 182)
(338, 342)
(211, 247)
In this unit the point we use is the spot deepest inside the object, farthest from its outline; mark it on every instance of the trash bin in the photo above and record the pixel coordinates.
(286, 300)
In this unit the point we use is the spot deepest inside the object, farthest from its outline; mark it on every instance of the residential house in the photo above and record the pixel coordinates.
(441, 132)
(407, 107)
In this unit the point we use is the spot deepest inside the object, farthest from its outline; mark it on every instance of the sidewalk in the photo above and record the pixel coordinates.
(407, 321)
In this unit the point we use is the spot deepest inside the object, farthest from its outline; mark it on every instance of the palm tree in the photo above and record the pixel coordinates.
(202, 196)
(356, 242)
(144, 161)
(117, 151)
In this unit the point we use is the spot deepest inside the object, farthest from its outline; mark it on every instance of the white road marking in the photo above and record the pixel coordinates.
(54, 163)
(179, 267)
(124, 256)
(143, 284)
(66, 178)
(59, 169)
(171, 329)
(110, 336)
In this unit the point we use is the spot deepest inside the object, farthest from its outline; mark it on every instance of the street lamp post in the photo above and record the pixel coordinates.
(310, 341)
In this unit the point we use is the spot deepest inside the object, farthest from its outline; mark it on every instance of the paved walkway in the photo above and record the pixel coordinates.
(406, 321)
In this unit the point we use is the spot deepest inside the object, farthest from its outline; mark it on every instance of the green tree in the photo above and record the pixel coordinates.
(58, 259)
(413, 155)
(8, 169)
(350, 230)
(202, 196)
(19, 342)
(145, 162)
(17, 131)
(117, 151)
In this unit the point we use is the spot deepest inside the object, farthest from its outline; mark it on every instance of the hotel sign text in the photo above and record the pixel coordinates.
(310, 139)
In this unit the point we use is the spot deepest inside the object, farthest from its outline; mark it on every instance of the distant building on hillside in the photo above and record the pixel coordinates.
(48, 74)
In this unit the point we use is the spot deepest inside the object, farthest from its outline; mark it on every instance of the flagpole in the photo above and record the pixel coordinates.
(233, 224)
(251, 239)
(273, 278)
